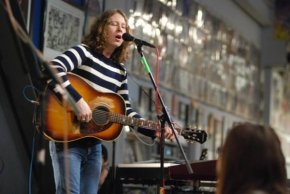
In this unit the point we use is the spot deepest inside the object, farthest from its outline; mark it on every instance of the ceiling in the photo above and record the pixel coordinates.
(262, 11)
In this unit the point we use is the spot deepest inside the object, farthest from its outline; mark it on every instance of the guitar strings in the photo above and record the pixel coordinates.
(101, 117)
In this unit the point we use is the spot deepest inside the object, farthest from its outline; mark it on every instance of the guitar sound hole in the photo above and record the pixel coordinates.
(101, 115)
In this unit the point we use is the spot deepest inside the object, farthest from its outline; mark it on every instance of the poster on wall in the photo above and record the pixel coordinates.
(63, 28)
(93, 9)
(280, 111)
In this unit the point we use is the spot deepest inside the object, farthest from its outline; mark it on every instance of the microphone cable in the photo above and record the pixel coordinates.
(31, 164)
(34, 121)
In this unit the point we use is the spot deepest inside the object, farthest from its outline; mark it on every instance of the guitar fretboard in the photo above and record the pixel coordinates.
(131, 121)
(102, 117)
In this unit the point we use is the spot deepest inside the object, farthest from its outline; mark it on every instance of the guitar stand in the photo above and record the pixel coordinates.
(165, 117)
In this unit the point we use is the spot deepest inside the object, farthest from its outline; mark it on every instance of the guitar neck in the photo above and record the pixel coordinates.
(131, 121)
(187, 133)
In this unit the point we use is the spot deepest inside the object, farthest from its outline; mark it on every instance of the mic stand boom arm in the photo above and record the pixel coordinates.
(165, 117)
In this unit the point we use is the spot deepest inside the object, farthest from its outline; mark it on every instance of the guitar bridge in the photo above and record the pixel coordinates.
(91, 128)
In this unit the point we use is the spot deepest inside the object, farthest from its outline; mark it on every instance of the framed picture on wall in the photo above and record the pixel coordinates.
(63, 28)
(93, 8)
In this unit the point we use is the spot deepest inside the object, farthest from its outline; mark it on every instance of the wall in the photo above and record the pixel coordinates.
(249, 29)
(235, 18)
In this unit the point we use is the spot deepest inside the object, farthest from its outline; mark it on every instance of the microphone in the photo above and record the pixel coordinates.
(138, 42)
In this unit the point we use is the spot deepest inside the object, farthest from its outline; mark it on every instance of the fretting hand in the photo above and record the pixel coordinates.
(168, 134)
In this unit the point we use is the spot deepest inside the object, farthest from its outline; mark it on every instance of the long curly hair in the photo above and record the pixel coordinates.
(251, 159)
(96, 38)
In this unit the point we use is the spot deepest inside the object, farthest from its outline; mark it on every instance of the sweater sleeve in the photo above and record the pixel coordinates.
(67, 62)
(124, 92)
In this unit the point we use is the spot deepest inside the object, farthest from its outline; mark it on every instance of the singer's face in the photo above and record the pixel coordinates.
(115, 28)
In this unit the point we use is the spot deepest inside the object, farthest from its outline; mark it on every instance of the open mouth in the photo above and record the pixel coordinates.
(118, 37)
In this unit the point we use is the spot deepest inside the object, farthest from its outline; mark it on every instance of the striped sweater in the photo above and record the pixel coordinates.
(99, 72)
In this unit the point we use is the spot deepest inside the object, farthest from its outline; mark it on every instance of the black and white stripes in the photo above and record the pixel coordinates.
(98, 71)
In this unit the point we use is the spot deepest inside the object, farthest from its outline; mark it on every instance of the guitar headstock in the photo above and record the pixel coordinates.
(194, 134)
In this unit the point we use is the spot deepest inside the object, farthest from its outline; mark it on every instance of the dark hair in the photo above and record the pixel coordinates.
(251, 159)
(96, 38)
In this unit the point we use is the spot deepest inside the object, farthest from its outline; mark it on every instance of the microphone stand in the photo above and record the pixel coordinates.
(113, 168)
(165, 117)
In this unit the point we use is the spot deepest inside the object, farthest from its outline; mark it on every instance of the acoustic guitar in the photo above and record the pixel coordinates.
(108, 117)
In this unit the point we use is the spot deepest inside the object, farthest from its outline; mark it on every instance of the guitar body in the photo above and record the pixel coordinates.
(61, 124)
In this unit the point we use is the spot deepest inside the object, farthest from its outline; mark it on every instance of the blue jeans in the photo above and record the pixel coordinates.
(84, 168)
